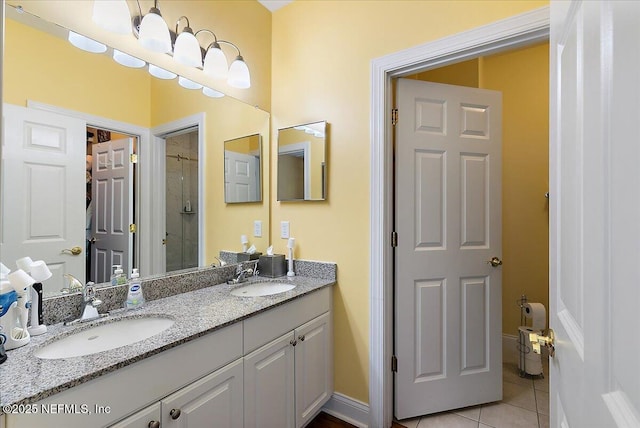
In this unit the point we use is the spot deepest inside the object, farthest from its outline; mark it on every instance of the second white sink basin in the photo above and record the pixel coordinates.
(104, 337)
(262, 289)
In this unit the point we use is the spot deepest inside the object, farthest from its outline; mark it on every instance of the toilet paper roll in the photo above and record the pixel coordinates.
(537, 313)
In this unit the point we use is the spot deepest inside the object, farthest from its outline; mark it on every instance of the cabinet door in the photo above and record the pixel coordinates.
(215, 400)
(314, 367)
(268, 384)
(148, 417)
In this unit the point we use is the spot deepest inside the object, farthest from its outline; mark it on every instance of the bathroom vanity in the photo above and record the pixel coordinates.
(227, 360)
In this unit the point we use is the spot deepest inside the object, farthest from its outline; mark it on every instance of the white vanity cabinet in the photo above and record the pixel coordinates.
(273, 369)
(288, 380)
(216, 400)
(146, 418)
(269, 385)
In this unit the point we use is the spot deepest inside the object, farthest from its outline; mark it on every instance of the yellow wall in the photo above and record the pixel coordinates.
(321, 71)
(464, 73)
(245, 23)
(523, 78)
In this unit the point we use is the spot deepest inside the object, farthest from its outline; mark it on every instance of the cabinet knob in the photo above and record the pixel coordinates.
(154, 424)
(175, 414)
(293, 342)
(301, 338)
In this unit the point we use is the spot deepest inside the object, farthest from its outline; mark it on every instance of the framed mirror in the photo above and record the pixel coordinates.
(302, 168)
(243, 169)
(123, 103)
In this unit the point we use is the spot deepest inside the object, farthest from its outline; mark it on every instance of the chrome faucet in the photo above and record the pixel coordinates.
(242, 273)
(90, 302)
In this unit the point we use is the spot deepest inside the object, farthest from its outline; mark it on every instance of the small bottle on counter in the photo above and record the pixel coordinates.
(118, 277)
(135, 298)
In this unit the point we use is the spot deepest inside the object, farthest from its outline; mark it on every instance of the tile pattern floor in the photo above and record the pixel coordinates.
(525, 404)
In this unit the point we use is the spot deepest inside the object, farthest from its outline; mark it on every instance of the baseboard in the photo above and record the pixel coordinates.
(348, 409)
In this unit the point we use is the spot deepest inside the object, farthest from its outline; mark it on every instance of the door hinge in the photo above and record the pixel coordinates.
(394, 116)
(394, 239)
(133, 228)
(133, 158)
(394, 364)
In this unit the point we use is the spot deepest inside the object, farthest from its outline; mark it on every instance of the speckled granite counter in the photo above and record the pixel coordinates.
(24, 378)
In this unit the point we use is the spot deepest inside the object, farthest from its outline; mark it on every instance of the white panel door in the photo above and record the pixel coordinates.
(144, 418)
(241, 177)
(448, 219)
(213, 401)
(43, 191)
(594, 214)
(269, 385)
(112, 208)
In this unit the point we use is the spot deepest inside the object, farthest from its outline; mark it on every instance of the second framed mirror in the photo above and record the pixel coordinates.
(302, 167)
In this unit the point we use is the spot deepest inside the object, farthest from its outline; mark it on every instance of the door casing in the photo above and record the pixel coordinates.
(517, 31)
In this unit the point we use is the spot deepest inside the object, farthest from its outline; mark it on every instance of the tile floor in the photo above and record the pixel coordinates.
(525, 404)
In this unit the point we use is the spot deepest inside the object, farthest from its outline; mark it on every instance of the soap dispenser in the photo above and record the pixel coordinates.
(135, 298)
(118, 277)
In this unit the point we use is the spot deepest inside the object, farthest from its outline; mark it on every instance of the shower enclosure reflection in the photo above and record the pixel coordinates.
(181, 164)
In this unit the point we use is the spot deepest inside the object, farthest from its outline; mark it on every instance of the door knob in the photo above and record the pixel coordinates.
(495, 262)
(93, 240)
(74, 251)
(175, 414)
(547, 341)
(154, 424)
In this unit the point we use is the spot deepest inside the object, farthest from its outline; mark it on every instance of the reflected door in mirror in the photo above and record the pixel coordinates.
(242, 158)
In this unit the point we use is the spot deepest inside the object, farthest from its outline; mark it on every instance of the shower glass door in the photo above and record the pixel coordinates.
(182, 201)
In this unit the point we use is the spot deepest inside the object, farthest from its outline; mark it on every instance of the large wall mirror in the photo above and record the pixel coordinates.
(170, 194)
(242, 169)
(302, 167)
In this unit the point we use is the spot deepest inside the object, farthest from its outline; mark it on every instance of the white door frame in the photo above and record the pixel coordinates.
(159, 205)
(144, 217)
(510, 33)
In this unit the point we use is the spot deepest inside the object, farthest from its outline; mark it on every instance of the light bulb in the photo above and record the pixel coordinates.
(112, 15)
(85, 43)
(154, 33)
(187, 49)
(239, 74)
(215, 63)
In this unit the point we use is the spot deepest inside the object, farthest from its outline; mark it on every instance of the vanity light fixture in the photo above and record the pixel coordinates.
(112, 15)
(127, 60)
(161, 73)
(188, 84)
(187, 49)
(154, 33)
(85, 43)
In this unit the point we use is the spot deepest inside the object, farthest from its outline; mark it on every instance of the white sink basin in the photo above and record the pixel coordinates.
(262, 289)
(104, 337)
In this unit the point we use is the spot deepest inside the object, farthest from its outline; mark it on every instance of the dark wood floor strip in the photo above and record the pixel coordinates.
(324, 420)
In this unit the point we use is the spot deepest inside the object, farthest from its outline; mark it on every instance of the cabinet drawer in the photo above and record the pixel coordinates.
(263, 328)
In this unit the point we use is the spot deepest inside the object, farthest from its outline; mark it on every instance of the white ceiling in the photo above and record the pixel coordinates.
(274, 5)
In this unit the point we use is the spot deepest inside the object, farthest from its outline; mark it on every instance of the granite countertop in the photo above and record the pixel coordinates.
(25, 378)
